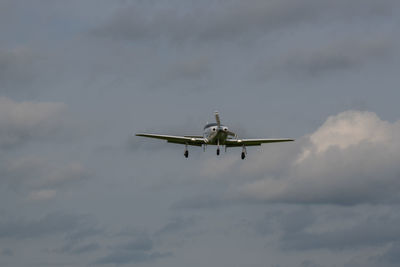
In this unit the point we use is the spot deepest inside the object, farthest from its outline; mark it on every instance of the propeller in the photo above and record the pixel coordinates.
(217, 119)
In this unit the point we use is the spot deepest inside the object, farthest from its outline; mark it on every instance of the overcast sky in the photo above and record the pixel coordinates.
(78, 78)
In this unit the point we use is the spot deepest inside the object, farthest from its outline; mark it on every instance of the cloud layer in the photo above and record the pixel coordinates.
(352, 158)
(21, 122)
(230, 20)
(77, 78)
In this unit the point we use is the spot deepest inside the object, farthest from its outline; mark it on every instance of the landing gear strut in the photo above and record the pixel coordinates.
(244, 152)
(218, 148)
(186, 152)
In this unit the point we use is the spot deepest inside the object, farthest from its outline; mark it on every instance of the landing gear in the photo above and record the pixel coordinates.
(244, 152)
(186, 152)
(217, 151)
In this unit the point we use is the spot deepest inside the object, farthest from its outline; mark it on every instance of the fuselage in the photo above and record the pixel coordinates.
(215, 135)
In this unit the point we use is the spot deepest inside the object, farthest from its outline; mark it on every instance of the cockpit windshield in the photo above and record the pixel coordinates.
(210, 124)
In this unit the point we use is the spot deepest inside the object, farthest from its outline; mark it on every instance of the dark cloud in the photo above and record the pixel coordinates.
(75, 249)
(199, 202)
(86, 248)
(126, 257)
(141, 243)
(175, 225)
(227, 20)
(374, 230)
(51, 224)
(288, 221)
(336, 54)
(310, 263)
(140, 249)
(391, 255)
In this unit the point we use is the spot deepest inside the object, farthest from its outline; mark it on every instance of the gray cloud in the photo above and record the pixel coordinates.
(16, 68)
(390, 255)
(288, 221)
(140, 249)
(41, 178)
(310, 263)
(227, 20)
(141, 243)
(51, 224)
(199, 202)
(126, 257)
(192, 69)
(375, 231)
(74, 249)
(21, 122)
(339, 230)
(332, 54)
(7, 252)
(86, 248)
(175, 225)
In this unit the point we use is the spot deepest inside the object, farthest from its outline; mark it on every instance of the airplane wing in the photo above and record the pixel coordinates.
(189, 140)
(253, 142)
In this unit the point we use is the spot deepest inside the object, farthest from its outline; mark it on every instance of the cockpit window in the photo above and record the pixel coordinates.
(209, 125)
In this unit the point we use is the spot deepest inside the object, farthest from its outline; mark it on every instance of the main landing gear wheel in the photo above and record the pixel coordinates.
(244, 152)
(186, 151)
(218, 152)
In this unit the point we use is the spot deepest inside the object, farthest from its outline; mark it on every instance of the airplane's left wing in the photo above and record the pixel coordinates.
(189, 140)
(253, 142)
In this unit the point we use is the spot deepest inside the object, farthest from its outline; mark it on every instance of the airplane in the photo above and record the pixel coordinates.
(214, 134)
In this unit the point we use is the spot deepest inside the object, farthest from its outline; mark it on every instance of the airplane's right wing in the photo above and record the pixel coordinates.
(253, 142)
(188, 140)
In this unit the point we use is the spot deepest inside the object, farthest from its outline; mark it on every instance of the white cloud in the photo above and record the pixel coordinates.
(347, 129)
(352, 158)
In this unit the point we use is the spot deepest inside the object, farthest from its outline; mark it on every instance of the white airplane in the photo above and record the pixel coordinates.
(214, 134)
